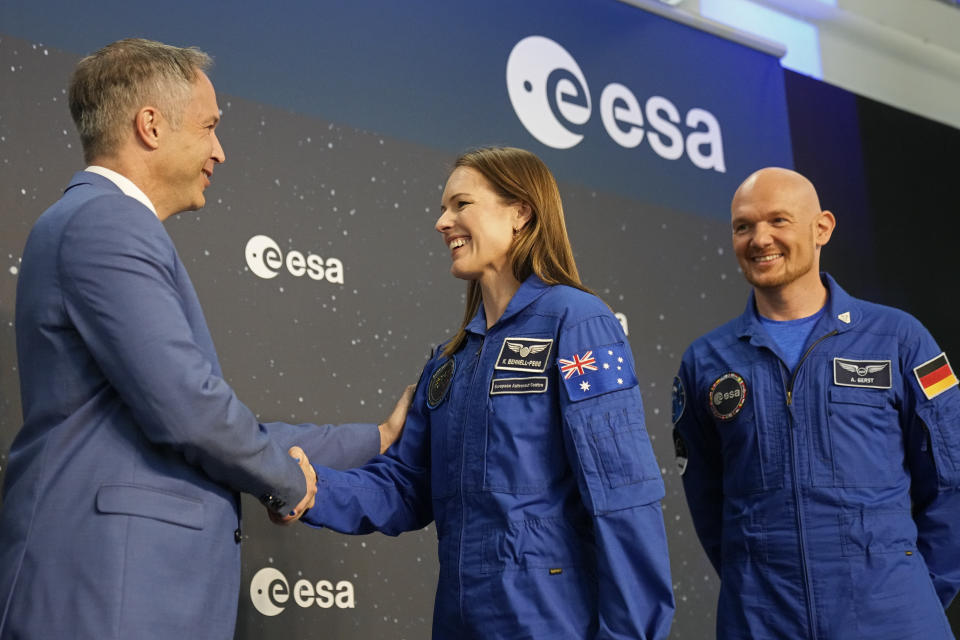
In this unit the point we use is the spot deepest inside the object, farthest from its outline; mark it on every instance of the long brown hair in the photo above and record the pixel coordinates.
(541, 247)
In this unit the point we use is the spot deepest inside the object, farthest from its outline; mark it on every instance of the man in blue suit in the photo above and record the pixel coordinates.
(121, 505)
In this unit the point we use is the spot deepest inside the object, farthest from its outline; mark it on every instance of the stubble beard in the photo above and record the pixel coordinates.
(779, 280)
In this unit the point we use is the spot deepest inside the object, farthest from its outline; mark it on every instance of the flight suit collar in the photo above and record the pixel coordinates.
(842, 313)
(531, 289)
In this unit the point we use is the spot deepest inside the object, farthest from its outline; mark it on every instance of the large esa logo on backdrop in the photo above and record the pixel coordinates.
(266, 260)
(550, 96)
(270, 593)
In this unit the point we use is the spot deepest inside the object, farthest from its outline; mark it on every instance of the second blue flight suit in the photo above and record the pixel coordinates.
(826, 497)
(528, 449)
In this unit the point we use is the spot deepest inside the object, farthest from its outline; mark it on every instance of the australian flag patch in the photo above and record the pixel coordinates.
(594, 372)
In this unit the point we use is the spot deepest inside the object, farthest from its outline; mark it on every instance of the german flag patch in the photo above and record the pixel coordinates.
(935, 376)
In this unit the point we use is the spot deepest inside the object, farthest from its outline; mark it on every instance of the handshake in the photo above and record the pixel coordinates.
(389, 432)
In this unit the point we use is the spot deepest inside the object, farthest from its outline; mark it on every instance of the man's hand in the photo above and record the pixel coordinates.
(310, 475)
(390, 430)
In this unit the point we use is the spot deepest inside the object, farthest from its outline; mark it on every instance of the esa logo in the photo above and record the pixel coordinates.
(270, 593)
(266, 260)
(550, 96)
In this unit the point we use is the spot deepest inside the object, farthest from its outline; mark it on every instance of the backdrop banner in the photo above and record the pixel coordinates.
(340, 123)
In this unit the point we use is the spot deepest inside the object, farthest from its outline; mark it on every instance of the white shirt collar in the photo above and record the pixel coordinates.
(124, 184)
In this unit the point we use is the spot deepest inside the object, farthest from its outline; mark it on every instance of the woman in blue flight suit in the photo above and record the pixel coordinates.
(525, 441)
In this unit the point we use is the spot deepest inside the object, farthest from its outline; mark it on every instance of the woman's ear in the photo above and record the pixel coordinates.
(522, 217)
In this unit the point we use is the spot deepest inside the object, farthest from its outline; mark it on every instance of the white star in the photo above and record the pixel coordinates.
(619, 368)
(619, 380)
(609, 352)
(620, 359)
(606, 366)
(585, 386)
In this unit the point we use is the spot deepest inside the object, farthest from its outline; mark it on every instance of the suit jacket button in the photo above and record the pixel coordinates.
(237, 537)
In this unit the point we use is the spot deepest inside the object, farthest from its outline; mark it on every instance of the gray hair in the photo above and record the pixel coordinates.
(108, 88)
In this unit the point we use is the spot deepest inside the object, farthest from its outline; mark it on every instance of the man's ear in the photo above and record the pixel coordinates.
(826, 222)
(149, 123)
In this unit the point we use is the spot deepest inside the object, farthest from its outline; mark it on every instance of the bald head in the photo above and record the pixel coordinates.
(776, 185)
(778, 231)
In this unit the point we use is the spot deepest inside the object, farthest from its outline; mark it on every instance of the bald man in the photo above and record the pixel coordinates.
(818, 437)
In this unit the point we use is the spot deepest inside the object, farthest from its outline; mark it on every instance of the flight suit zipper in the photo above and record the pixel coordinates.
(463, 465)
(793, 376)
(807, 581)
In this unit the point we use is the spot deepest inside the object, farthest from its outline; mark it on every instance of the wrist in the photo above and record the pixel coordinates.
(384, 437)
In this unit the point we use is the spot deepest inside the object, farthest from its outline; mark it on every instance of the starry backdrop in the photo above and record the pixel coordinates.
(340, 349)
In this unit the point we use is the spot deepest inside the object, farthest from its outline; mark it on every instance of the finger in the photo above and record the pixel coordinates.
(310, 480)
(302, 507)
(277, 519)
(301, 457)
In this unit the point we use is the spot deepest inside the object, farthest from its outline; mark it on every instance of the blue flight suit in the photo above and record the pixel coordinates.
(528, 449)
(826, 497)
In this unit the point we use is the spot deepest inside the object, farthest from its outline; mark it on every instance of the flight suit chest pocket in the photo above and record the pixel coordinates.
(523, 451)
(522, 443)
(752, 435)
(865, 439)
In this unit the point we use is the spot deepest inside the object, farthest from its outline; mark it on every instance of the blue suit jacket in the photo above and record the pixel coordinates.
(121, 508)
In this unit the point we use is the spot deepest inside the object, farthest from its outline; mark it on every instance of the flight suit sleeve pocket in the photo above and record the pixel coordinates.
(147, 502)
(945, 434)
(615, 465)
(942, 421)
(623, 448)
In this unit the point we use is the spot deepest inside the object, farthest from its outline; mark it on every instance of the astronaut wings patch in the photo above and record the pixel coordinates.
(524, 354)
(862, 373)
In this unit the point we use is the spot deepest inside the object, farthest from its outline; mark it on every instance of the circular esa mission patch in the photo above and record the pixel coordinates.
(727, 395)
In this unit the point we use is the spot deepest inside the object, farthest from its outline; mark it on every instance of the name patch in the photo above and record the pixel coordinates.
(873, 374)
(524, 354)
(533, 384)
